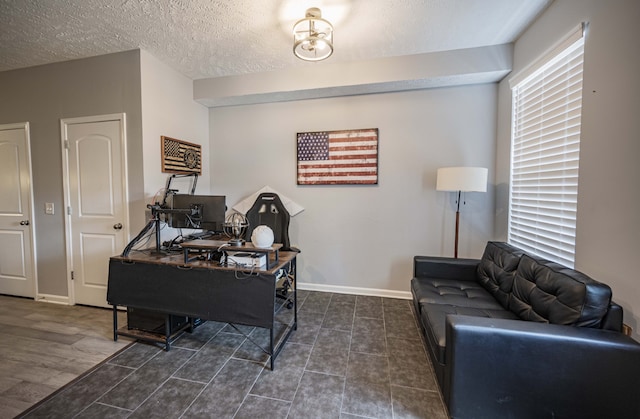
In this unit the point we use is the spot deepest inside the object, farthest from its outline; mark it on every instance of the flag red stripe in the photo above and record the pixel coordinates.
(353, 157)
(337, 165)
(329, 174)
(352, 148)
(350, 139)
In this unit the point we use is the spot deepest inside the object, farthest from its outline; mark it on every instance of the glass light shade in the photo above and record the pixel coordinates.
(465, 179)
(313, 37)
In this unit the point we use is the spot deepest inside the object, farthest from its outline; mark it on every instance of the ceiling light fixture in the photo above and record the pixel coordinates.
(313, 37)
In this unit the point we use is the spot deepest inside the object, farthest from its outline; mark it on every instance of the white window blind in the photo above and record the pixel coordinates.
(545, 153)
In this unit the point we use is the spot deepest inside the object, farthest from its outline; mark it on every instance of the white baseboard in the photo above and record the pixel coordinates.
(339, 289)
(56, 299)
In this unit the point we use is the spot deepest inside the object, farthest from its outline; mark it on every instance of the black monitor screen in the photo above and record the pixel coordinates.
(204, 212)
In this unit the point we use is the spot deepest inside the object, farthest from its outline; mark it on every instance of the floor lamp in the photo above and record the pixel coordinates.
(461, 179)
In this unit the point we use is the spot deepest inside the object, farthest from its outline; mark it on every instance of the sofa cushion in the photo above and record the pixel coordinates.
(496, 270)
(437, 297)
(433, 319)
(452, 292)
(548, 292)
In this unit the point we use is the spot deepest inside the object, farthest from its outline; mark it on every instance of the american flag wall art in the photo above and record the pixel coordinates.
(346, 157)
(180, 156)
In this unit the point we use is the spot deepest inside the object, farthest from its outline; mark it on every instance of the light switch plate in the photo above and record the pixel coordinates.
(48, 208)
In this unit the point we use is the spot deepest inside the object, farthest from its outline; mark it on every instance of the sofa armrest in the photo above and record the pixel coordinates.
(514, 368)
(445, 268)
(612, 320)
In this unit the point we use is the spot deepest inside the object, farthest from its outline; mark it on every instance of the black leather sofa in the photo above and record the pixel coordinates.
(516, 336)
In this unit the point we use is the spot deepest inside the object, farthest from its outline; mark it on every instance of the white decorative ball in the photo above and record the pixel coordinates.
(262, 236)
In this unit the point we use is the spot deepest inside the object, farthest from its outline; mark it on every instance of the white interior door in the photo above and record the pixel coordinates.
(17, 256)
(95, 192)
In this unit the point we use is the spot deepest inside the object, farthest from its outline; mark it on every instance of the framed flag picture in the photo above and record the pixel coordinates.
(180, 156)
(348, 157)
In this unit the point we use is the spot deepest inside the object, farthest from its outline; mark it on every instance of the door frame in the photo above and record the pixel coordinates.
(121, 117)
(32, 214)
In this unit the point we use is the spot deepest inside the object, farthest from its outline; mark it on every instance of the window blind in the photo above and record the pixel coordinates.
(545, 156)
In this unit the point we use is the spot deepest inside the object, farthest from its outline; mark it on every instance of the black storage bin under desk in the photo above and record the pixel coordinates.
(154, 322)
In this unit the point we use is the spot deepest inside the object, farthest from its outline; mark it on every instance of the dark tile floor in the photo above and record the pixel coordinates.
(351, 357)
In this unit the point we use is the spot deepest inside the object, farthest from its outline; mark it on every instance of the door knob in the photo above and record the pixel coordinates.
(117, 226)
(24, 222)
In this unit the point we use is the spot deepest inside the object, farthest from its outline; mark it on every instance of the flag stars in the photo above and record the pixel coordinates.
(313, 146)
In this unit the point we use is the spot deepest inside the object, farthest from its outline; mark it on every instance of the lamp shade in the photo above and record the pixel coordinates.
(465, 179)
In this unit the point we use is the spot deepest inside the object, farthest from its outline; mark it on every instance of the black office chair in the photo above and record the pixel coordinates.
(269, 210)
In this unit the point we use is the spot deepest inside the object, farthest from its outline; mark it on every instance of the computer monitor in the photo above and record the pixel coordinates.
(206, 212)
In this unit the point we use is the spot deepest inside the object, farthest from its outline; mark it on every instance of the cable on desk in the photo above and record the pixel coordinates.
(146, 232)
(174, 244)
(242, 274)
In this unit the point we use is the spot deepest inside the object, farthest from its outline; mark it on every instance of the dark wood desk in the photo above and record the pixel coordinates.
(206, 290)
(272, 252)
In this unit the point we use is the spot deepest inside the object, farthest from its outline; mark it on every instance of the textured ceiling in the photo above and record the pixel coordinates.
(212, 38)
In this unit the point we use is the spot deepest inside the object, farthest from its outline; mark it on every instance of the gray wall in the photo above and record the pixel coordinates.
(608, 230)
(363, 238)
(42, 96)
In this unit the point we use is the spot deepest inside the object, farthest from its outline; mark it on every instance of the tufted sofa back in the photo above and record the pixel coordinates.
(539, 290)
(548, 292)
(497, 269)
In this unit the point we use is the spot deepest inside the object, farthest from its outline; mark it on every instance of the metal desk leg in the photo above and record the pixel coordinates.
(115, 323)
(167, 332)
(271, 347)
(295, 294)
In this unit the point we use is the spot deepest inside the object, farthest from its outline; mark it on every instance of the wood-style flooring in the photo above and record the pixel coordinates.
(43, 346)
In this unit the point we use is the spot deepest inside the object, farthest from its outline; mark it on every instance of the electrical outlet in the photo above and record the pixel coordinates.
(48, 208)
